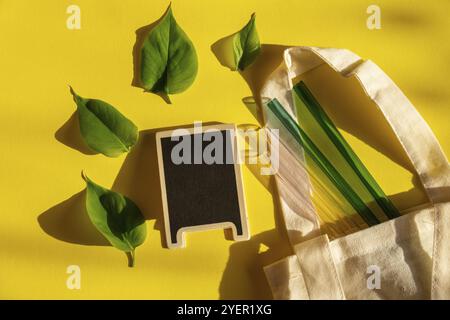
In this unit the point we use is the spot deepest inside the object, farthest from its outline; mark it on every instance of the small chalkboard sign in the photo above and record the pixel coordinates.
(201, 182)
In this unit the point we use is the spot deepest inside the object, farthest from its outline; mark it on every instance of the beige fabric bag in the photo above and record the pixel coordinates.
(412, 252)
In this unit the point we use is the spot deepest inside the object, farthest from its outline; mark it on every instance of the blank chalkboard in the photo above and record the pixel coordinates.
(200, 193)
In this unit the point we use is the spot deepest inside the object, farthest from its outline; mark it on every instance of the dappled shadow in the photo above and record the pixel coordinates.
(405, 18)
(441, 194)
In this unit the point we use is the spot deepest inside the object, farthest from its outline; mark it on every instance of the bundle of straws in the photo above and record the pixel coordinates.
(346, 196)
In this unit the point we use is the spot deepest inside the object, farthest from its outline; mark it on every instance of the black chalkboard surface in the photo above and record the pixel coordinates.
(201, 182)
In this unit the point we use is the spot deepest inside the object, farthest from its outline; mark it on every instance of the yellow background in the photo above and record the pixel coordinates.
(40, 184)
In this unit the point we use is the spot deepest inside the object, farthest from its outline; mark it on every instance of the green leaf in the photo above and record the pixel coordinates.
(168, 58)
(103, 127)
(117, 218)
(246, 46)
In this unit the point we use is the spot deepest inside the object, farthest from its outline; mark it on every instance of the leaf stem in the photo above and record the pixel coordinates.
(130, 254)
(165, 97)
(131, 258)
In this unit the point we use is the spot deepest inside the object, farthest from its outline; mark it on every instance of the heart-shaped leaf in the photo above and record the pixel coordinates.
(103, 127)
(168, 58)
(117, 218)
(246, 46)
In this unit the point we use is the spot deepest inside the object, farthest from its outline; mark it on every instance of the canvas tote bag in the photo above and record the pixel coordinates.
(411, 254)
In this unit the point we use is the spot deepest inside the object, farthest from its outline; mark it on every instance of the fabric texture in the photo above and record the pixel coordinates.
(412, 252)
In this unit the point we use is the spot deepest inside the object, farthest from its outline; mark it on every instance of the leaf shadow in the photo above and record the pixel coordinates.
(68, 221)
(69, 134)
(139, 180)
(222, 48)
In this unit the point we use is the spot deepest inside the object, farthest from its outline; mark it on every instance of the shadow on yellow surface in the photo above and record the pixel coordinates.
(246, 259)
(256, 75)
(138, 177)
(270, 57)
(353, 112)
(245, 264)
(68, 221)
(69, 135)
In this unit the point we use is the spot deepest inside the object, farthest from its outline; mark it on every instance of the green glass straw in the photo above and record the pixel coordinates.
(305, 95)
(322, 162)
